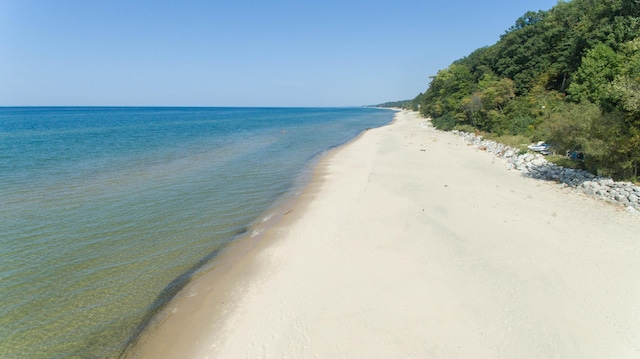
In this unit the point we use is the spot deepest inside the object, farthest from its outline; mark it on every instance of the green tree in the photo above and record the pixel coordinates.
(567, 129)
(625, 101)
(484, 107)
(612, 147)
(519, 51)
(570, 75)
(446, 92)
(599, 68)
(625, 88)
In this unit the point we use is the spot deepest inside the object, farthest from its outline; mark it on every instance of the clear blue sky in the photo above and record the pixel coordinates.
(238, 52)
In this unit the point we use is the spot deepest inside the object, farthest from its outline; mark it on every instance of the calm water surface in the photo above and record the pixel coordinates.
(105, 212)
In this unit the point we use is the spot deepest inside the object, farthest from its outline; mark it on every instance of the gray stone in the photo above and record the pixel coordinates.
(620, 198)
(606, 181)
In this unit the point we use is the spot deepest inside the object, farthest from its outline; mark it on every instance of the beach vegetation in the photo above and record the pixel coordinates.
(569, 76)
(403, 104)
(445, 122)
(566, 162)
(468, 128)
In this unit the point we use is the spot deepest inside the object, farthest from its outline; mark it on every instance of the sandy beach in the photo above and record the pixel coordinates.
(411, 244)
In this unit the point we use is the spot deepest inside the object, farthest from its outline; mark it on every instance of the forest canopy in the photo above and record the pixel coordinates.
(569, 76)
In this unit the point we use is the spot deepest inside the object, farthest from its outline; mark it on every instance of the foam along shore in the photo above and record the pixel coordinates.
(410, 243)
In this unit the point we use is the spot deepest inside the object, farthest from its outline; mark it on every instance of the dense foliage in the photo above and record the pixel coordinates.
(569, 76)
(406, 104)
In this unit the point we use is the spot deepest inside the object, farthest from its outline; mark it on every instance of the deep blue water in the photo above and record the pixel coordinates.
(105, 211)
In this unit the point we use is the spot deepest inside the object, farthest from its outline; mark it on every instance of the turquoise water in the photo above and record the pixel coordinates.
(106, 212)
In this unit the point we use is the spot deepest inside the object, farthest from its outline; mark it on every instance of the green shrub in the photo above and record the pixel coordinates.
(445, 122)
(566, 162)
(521, 125)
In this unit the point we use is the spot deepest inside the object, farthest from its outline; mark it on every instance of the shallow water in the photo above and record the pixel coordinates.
(104, 212)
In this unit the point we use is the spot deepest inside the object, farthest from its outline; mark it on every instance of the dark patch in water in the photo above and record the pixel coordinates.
(166, 295)
(242, 231)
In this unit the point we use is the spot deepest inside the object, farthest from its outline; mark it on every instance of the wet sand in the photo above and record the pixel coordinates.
(410, 243)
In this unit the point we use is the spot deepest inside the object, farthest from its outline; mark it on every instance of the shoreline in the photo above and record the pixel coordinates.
(214, 285)
(406, 242)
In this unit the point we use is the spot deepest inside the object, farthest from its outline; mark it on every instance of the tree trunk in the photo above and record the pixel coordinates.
(564, 82)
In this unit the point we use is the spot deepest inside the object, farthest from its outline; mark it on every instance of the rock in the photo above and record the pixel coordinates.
(605, 181)
(538, 162)
(621, 199)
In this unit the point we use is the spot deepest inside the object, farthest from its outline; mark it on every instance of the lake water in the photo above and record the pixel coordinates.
(105, 213)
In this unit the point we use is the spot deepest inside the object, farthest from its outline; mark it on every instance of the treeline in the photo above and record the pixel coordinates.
(408, 104)
(569, 76)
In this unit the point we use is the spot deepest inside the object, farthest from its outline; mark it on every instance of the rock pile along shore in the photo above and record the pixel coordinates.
(536, 166)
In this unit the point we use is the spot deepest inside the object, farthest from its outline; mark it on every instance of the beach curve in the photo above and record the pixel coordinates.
(409, 243)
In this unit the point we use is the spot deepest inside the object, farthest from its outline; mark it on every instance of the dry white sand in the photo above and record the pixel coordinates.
(413, 244)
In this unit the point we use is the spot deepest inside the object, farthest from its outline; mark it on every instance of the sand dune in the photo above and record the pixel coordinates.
(410, 243)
